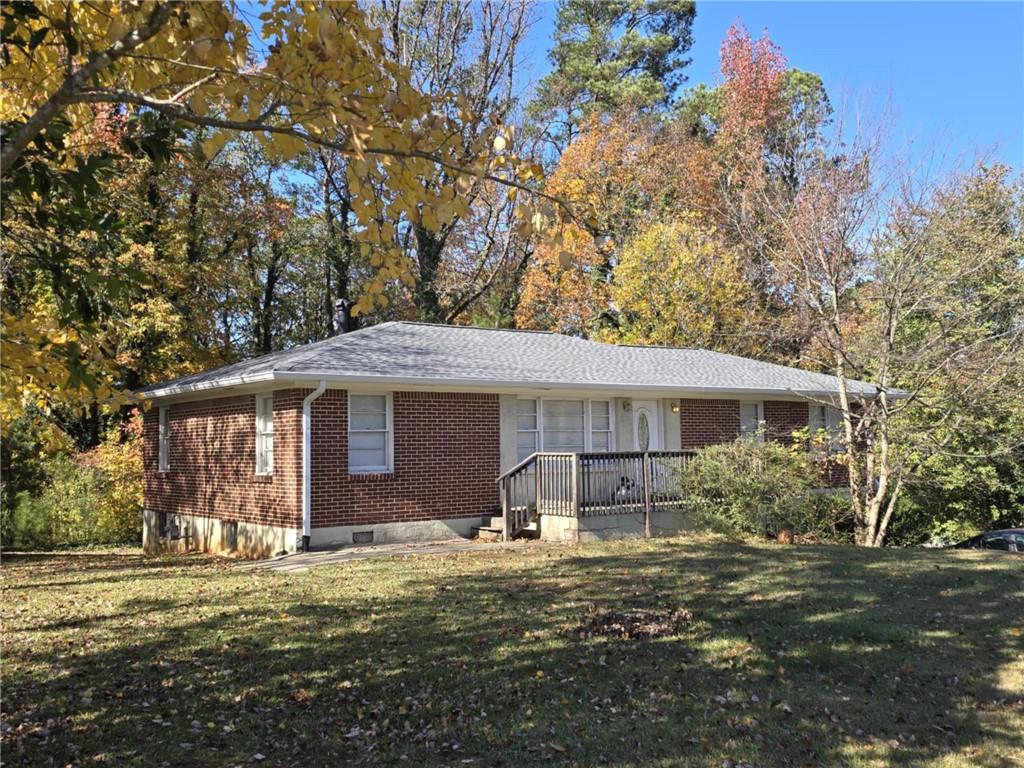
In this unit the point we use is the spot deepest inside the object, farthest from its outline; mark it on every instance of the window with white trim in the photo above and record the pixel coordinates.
(828, 420)
(563, 426)
(163, 458)
(752, 420)
(527, 429)
(264, 434)
(369, 433)
(601, 425)
(824, 417)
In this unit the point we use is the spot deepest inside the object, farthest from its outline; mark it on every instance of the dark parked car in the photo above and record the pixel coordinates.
(1010, 540)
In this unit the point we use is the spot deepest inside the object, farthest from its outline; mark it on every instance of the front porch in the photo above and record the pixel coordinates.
(574, 495)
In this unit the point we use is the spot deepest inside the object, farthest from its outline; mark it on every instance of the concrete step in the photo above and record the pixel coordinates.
(494, 527)
(499, 522)
(486, 533)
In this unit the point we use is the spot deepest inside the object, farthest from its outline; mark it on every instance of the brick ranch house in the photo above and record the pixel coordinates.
(400, 432)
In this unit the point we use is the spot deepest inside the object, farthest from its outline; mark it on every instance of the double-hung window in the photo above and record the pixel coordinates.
(264, 434)
(824, 417)
(752, 420)
(369, 433)
(563, 426)
(828, 420)
(601, 425)
(527, 429)
(163, 458)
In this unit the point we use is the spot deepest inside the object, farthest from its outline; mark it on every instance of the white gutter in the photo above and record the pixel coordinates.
(307, 461)
(181, 389)
(500, 385)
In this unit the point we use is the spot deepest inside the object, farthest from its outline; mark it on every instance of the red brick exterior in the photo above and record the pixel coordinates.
(708, 422)
(213, 461)
(836, 475)
(446, 461)
(783, 417)
(446, 457)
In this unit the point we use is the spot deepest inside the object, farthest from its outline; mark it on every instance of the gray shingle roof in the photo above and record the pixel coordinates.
(420, 353)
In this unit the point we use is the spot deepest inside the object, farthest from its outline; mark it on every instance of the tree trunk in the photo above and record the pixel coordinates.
(265, 323)
(344, 253)
(429, 248)
(340, 252)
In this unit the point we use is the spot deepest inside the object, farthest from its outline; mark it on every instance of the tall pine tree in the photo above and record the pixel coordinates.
(607, 54)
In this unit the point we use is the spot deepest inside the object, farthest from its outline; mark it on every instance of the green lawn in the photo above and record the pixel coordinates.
(774, 656)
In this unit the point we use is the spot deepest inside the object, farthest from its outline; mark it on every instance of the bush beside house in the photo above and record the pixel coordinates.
(760, 488)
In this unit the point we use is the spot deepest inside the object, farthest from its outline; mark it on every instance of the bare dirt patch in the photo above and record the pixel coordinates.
(640, 624)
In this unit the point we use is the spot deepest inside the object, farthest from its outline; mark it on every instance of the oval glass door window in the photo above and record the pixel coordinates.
(643, 431)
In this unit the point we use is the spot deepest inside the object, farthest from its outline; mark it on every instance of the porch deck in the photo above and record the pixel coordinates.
(580, 485)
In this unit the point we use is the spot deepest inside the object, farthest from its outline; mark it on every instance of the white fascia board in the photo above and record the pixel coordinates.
(540, 388)
(231, 382)
(259, 381)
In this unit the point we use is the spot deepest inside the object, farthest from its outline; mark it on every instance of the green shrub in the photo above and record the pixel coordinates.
(62, 514)
(90, 498)
(22, 471)
(829, 518)
(750, 487)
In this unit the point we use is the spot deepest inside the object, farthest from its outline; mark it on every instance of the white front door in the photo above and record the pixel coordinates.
(646, 426)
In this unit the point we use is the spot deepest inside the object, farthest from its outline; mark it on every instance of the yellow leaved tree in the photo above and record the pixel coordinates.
(308, 73)
(618, 170)
(324, 79)
(678, 284)
(626, 170)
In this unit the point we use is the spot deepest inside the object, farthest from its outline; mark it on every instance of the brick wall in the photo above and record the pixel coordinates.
(213, 461)
(836, 475)
(783, 417)
(446, 457)
(446, 461)
(708, 422)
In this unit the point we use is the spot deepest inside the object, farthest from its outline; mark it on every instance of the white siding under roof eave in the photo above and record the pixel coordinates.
(415, 384)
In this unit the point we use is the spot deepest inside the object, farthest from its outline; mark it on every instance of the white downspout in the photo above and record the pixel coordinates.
(307, 462)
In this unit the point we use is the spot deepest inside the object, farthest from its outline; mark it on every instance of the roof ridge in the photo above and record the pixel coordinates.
(473, 327)
(654, 346)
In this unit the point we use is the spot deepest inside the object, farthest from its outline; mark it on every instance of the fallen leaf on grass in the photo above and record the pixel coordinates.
(633, 624)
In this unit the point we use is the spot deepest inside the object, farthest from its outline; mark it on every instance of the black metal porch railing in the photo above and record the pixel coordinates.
(590, 484)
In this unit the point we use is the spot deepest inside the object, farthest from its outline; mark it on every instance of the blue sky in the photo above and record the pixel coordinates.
(945, 76)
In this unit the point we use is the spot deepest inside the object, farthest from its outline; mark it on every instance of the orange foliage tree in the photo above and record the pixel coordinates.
(707, 165)
(628, 170)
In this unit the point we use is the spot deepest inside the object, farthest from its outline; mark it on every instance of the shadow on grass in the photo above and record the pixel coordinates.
(102, 565)
(795, 656)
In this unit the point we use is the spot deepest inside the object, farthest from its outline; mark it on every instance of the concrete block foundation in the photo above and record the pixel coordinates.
(387, 533)
(608, 527)
(195, 533)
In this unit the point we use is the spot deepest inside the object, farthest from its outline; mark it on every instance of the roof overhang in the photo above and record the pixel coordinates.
(255, 382)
